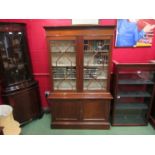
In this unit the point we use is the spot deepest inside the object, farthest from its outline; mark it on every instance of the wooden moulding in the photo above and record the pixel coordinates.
(80, 125)
(82, 95)
(79, 30)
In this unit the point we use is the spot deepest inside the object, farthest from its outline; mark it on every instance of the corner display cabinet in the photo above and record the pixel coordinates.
(133, 93)
(18, 86)
(79, 63)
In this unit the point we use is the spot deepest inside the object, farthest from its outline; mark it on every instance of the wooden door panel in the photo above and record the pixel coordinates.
(26, 104)
(96, 110)
(65, 110)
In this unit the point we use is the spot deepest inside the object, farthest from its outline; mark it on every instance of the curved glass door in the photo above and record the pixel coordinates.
(12, 51)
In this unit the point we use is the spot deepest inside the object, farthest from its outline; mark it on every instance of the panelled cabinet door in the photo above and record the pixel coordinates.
(68, 111)
(25, 104)
(63, 63)
(98, 110)
(96, 62)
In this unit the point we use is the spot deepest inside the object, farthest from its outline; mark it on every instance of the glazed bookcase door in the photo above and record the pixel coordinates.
(13, 57)
(134, 95)
(96, 63)
(63, 63)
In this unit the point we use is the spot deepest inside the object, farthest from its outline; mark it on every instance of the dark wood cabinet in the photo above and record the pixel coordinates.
(19, 89)
(80, 110)
(152, 111)
(79, 66)
(133, 93)
(25, 103)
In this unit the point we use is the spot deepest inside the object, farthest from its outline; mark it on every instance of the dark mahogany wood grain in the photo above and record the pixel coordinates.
(79, 113)
(136, 67)
(80, 95)
(80, 109)
(21, 93)
(26, 103)
(79, 31)
(152, 112)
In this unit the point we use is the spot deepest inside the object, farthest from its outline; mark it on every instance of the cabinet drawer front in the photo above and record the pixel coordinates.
(96, 110)
(65, 110)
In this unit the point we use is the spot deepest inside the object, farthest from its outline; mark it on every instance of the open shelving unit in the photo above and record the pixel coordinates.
(133, 93)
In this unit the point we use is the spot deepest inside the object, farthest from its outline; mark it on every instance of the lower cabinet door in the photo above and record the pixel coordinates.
(80, 114)
(26, 104)
(66, 110)
(96, 110)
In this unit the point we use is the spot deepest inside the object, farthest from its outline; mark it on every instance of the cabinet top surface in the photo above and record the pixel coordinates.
(133, 64)
(6, 27)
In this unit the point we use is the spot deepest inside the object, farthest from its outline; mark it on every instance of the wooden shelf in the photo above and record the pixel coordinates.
(95, 65)
(131, 106)
(134, 94)
(136, 82)
(64, 78)
(97, 51)
(63, 65)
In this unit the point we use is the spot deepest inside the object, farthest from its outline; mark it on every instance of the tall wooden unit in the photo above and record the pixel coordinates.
(133, 93)
(80, 63)
(152, 111)
(19, 89)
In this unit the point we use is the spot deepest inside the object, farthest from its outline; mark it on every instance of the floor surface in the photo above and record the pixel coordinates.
(42, 127)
